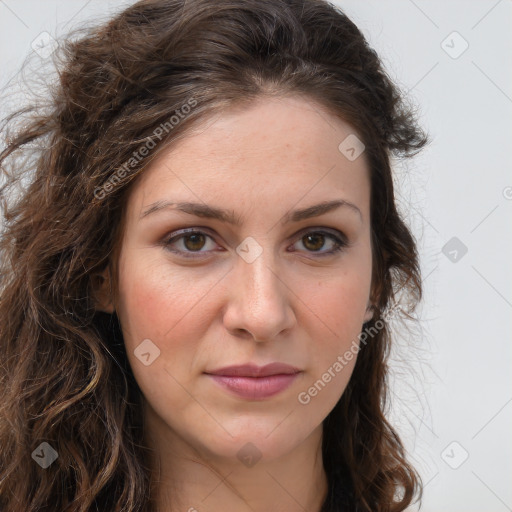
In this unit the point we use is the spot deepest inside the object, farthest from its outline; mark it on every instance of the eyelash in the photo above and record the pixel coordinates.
(340, 242)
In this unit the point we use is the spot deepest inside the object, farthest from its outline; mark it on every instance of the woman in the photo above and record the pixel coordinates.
(196, 282)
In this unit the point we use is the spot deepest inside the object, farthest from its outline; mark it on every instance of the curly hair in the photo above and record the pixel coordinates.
(64, 375)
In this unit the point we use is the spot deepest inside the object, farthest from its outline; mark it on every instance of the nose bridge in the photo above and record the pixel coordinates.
(260, 280)
(259, 299)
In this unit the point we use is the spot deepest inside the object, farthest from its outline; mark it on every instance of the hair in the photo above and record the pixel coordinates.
(142, 80)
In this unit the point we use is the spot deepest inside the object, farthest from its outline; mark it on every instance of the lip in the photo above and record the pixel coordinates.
(255, 382)
(252, 370)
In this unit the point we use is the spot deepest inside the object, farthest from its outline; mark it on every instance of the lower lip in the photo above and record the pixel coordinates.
(255, 388)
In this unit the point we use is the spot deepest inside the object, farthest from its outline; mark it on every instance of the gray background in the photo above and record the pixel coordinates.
(451, 392)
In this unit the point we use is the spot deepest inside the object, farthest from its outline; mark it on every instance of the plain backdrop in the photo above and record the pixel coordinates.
(451, 385)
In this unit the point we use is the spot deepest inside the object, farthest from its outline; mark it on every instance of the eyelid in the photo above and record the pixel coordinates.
(323, 229)
(196, 229)
(178, 234)
(340, 239)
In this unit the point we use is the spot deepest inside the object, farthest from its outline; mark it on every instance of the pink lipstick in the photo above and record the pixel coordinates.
(255, 382)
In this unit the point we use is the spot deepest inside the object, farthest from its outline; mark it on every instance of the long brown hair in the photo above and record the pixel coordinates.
(143, 80)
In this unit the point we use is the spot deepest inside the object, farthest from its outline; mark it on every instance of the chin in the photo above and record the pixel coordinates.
(248, 439)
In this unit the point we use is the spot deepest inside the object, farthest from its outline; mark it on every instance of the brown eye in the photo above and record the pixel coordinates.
(190, 243)
(194, 242)
(313, 242)
(318, 241)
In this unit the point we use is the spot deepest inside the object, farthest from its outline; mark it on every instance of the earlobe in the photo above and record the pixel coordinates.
(369, 313)
(102, 291)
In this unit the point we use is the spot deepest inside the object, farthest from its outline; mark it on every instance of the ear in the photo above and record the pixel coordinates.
(102, 290)
(369, 313)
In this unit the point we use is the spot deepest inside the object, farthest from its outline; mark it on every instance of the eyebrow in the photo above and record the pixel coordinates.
(211, 212)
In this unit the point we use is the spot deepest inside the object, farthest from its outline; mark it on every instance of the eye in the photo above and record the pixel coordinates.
(315, 241)
(190, 243)
(187, 242)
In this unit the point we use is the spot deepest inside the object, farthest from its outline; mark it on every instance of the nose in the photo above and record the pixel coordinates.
(258, 305)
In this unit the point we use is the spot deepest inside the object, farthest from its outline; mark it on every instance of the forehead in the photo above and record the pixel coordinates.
(270, 149)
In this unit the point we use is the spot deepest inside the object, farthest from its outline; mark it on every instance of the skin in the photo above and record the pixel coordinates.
(289, 305)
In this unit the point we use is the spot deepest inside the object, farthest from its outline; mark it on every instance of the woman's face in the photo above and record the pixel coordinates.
(256, 278)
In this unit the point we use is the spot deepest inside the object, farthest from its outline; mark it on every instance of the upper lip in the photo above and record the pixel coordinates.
(252, 370)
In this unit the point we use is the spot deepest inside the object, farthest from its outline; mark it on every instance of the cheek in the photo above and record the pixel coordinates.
(343, 304)
(335, 322)
(156, 300)
(161, 305)
(334, 348)
(335, 311)
(339, 301)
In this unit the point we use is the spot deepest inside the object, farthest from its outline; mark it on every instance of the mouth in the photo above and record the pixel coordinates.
(255, 382)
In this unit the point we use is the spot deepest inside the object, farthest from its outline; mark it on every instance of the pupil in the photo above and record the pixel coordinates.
(317, 241)
(195, 245)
